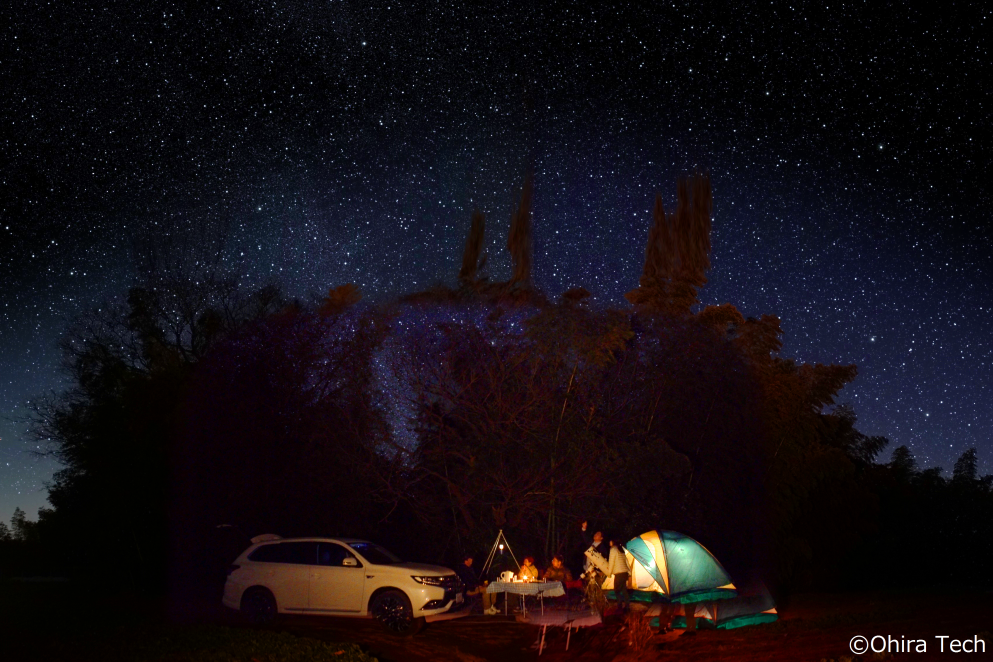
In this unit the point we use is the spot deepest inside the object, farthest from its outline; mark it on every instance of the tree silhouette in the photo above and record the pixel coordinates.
(195, 404)
(677, 254)
(965, 467)
(494, 432)
(474, 256)
(279, 429)
(519, 239)
(21, 528)
(902, 463)
(129, 365)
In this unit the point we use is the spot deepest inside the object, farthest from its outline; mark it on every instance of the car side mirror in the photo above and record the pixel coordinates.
(350, 562)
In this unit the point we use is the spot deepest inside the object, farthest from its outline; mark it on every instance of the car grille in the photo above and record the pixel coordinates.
(452, 585)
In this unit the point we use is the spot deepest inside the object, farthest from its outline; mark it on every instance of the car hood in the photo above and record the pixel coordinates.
(422, 568)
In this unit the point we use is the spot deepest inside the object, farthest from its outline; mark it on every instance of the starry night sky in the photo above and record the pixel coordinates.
(336, 142)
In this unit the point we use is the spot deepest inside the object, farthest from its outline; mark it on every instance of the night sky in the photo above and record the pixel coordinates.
(334, 142)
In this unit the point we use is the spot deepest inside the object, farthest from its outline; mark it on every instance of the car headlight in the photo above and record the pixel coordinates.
(430, 581)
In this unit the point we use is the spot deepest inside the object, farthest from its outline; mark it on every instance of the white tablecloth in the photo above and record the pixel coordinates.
(546, 589)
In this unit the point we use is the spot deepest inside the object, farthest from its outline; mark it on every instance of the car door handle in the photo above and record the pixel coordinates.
(369, 576)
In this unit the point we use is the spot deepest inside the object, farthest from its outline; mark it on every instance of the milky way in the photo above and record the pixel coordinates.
(334, 142)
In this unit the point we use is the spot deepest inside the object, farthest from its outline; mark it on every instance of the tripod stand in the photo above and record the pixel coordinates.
(498, 546)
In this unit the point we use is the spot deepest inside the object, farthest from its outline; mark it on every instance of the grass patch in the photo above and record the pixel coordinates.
(80, 623)
(206, 643)
(224, 644)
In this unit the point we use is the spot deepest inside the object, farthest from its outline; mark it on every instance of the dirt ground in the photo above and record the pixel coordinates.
(811, 627)
(44, 622)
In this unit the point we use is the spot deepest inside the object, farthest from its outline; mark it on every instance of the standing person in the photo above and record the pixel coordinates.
(472, 585)
(618, 567)
(597, 543)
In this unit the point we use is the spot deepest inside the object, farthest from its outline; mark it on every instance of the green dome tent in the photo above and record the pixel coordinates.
(670, 566)
(730, 614)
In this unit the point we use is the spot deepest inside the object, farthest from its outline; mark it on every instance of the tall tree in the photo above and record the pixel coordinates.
(473, 256)
(504, 433)
(519, 239)
(677, 255)
(577, 343)
(278, 432)
(965, 467)
(129, 365)
(473, 284)
(902, 463)
(21, 527)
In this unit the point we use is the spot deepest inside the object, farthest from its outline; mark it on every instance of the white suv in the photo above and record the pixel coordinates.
(339, 577)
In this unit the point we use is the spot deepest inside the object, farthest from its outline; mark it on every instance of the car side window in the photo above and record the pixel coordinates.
(267, 554)
(329, 553)
(303, 553)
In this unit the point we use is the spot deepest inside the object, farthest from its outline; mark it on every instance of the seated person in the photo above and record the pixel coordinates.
(557, 572)
(473, 586)
(529, 571)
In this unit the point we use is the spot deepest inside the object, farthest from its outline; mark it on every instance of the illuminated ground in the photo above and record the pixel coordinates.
(48, 622)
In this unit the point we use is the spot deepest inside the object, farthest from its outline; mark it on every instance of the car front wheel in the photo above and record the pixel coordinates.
(393, 611)
(258, 606)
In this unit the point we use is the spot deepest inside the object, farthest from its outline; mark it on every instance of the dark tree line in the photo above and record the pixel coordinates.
(130, 366)
(201, 414)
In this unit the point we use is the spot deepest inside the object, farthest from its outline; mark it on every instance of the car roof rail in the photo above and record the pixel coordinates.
(265, 537)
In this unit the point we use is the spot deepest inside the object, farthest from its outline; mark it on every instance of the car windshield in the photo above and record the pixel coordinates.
(375, 554)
